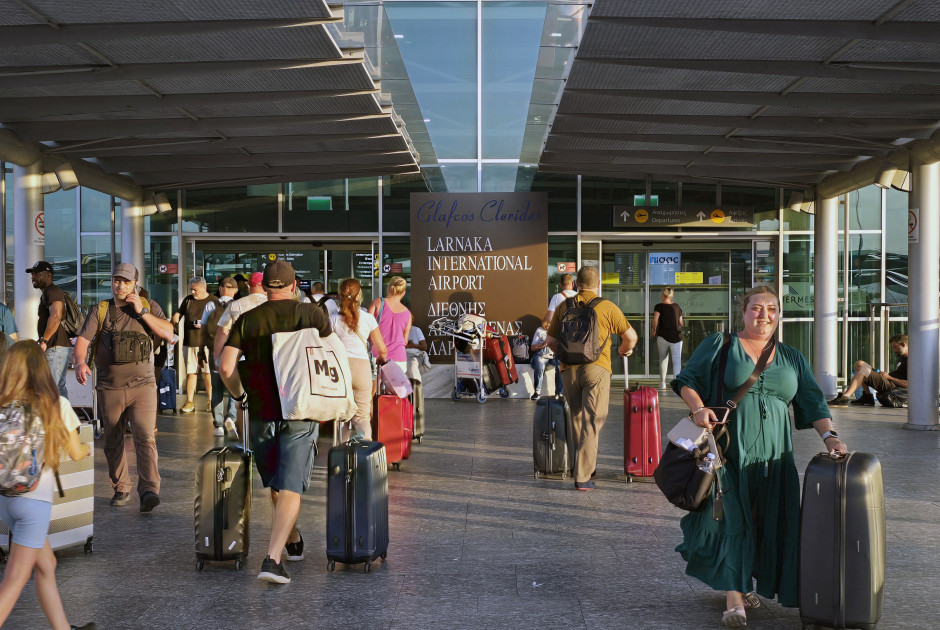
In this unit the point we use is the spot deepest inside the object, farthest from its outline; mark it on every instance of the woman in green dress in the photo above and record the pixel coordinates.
(759, 535)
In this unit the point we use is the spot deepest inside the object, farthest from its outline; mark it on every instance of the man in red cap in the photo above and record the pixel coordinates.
(283, 449)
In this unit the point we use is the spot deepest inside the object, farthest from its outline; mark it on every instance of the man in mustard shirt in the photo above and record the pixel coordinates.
(587, 386)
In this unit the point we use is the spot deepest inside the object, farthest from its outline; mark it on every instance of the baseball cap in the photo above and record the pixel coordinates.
(126, 271)
(240, 278)
(41, 265)
(278, 275)
(255, 279)
(229, 282)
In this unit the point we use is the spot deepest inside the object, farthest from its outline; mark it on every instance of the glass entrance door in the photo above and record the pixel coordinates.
(634, 276)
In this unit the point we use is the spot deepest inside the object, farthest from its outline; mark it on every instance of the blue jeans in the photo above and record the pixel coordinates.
(58, 359)
(218, 393)
(538, 363)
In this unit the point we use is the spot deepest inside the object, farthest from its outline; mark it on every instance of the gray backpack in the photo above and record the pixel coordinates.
(578, 336)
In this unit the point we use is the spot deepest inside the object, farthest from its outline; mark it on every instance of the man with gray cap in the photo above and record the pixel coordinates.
(283, 449)
(119, 332)
(228, 287)
(53, 339)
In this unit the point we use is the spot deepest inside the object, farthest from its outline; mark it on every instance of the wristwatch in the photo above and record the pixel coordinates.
(829, 434)
(144, 310)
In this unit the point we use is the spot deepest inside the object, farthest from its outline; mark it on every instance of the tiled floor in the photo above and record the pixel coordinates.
(476, 541)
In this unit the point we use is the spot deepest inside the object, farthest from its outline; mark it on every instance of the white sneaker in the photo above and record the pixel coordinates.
(230, 426)
(662, 385)
(218, 432)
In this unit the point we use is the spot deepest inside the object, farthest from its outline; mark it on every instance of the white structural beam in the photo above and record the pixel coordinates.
(923, 371)
(825, 295)
(30, 246)
(132, 236)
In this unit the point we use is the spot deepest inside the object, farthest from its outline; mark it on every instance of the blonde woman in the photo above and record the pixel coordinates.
(394, 320)
(356, 327)
(25, 379)
(667, 328)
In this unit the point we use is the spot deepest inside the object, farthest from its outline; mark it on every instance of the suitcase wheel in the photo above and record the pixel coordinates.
(89, 545)
(367, 567)
(239, 564)
(396, 465)
(481, 397)
(503, 392)
(200, 565)
(331, 565)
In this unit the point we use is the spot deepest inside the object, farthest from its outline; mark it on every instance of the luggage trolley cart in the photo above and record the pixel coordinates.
(469, 333)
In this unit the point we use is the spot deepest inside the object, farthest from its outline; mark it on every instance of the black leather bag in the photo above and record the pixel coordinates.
(681, 477)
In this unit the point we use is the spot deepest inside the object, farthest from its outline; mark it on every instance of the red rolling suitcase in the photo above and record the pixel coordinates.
(392, 424)
(498, 350)
(641, 431)
(842, 542)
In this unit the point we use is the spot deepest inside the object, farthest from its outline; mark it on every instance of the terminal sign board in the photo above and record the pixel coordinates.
(482, 253)
(688, 217)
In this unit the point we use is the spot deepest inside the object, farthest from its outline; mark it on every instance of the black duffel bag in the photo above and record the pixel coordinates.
(688, 478)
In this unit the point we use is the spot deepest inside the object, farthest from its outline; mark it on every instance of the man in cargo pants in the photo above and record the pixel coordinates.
(587, 386)
(283, 449)
(126, 384)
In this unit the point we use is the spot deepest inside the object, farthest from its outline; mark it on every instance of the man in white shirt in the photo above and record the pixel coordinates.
(566, 290)
(236, 309)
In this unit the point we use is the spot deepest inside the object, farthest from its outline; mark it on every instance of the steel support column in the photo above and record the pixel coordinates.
(29, 246)
(132, 236)
(826, 295)
(923, 371)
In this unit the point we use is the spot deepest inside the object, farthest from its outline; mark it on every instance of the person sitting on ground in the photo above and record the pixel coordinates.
(882, 383)
(25, 379)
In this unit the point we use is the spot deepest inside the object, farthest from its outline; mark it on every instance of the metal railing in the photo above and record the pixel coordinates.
(873, 309)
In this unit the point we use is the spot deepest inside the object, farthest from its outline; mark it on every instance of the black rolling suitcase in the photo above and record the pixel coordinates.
(356, 504)
(553, 449)
(223, 502)
(842, 542)
(166, 390)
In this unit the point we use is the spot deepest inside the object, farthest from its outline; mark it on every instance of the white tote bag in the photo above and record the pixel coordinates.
(313, 377)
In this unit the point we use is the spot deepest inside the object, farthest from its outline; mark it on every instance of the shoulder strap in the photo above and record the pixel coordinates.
(593, 303)
(381, 308)
(746, 386)
(103, 307)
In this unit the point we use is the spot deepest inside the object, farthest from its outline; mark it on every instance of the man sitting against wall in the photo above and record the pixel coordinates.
(883, 384)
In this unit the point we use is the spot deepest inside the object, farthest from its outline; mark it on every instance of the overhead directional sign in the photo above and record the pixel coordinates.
(692, 217)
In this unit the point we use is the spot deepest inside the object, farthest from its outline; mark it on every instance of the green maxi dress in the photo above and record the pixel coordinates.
(759, 534)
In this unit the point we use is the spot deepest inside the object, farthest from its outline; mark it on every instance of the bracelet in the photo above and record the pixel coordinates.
(692, 413)
(240, 398)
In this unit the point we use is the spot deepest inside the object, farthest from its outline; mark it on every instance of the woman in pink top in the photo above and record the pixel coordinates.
(394, 320)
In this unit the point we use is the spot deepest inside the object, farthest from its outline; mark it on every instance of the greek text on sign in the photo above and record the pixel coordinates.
(698, 216)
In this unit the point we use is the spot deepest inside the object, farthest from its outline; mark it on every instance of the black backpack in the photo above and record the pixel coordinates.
(578, 337)
(72, 318)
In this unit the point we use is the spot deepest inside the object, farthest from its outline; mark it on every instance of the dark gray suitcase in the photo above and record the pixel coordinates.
(356, 504)
(417, 402)
(842, 542)
(553, 448)
(222, 510)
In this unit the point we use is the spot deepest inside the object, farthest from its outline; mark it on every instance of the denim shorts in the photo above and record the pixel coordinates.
(284, 452)
(28, 519)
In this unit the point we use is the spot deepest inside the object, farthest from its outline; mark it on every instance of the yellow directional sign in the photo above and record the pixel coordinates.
(689, 277)
(641, 215)
(693, 217)
(717, 216)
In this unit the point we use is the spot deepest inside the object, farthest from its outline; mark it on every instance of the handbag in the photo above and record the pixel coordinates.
(687, 476)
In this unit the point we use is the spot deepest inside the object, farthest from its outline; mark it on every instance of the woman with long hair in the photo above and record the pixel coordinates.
(25, 380)
(394, 320)
(756, 542)
(667, 329)
(356, 327)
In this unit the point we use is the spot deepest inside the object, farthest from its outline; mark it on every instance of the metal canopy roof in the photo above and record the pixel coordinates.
(172, 96)
(746, 91)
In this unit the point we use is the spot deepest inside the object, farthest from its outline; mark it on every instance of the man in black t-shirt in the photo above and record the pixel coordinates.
(882, 383)
(283, 449)
(52, 337)
(195, 345)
